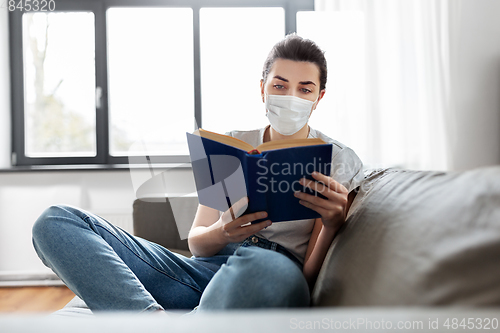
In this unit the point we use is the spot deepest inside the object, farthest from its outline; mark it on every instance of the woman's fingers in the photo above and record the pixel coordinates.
(235, 232)
(249, 230)
(244, 219)
(331, 196)
(335, 193)
(323, 207)
(233, 222)
(324, 182)
(317, 201)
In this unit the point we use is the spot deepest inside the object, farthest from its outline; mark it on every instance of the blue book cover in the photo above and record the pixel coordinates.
(226, 171)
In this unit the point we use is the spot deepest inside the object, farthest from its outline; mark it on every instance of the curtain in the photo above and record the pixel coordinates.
(407, 118)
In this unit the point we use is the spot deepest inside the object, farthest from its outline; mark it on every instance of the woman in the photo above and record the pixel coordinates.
(235, 264)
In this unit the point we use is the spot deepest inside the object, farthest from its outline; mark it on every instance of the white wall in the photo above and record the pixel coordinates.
(25, 195)
(476, 85)
(4, 91)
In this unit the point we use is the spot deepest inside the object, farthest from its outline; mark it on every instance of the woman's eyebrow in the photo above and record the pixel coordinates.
(280, 78)
(301, 82)
(306, 82)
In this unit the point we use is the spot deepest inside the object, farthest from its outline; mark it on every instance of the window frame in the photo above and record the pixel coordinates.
(99, 8)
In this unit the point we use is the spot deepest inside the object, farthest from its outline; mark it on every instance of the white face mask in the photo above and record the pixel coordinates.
(287, 114)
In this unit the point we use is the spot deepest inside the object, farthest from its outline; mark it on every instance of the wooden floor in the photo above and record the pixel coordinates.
(34, 299)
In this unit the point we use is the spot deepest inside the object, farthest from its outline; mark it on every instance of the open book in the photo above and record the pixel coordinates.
(227, 169)
(270, 145)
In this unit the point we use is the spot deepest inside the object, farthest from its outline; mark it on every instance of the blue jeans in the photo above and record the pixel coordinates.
(112, 270)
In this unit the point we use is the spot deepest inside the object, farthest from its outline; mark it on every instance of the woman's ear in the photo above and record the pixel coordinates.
(321, 94)
(262, 89)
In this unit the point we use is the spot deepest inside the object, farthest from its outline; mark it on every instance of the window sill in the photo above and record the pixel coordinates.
(94, 167)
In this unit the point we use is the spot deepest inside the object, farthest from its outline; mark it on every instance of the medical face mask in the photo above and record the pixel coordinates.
(287, 114)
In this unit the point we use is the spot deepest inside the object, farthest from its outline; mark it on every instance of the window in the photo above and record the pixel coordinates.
(92, 79)
(223, 49)
(59, 76)
(343, 111)
(150, 79)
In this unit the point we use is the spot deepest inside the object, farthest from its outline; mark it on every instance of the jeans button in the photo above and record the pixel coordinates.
(255, 239)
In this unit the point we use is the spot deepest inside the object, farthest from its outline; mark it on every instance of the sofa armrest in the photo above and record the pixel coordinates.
(417, 238)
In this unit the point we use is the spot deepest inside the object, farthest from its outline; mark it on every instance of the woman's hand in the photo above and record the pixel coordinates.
(236, 229)
(333, 209)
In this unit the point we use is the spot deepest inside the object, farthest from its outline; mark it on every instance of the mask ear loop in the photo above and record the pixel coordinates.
(314, 106)
(311, 111)
(266, 98)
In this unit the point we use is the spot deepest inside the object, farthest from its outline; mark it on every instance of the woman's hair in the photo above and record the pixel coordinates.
(296, 48)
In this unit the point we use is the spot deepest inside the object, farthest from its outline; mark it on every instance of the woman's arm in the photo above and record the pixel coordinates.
(210, 233)
(205, 237)
(334, 211)
(318, 246)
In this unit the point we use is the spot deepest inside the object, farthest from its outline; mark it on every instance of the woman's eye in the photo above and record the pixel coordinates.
(306, 91)
(278, 86)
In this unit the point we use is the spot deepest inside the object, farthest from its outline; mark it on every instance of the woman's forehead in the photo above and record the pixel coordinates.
(295, 71)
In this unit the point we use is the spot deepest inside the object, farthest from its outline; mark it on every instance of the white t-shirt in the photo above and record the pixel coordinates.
(346, 168)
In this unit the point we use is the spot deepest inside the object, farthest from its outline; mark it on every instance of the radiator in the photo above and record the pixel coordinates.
(120, 219)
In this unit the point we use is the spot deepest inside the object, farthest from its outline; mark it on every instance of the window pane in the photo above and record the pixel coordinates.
(234, 45)
(150, 77)
(342, 113)
(59, 78)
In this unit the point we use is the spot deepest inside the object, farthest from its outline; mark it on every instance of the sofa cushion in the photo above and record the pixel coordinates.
(417, 238)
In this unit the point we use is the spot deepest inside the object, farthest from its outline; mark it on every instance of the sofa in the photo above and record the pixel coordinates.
(416, 245)
(412, 238)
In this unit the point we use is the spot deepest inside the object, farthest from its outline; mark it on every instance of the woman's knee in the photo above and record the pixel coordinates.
(276, 275)
(255, 277)
(53, 225)
(45, 224)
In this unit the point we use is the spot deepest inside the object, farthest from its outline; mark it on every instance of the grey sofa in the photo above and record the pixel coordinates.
(413, 240)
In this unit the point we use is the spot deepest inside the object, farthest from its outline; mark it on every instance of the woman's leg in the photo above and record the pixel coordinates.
(113, 270)
(254, 277)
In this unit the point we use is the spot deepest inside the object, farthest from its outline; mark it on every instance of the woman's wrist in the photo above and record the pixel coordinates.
(331, 230)
(221, 238)
(327, 234)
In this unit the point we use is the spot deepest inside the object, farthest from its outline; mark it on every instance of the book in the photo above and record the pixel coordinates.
(226, 169)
